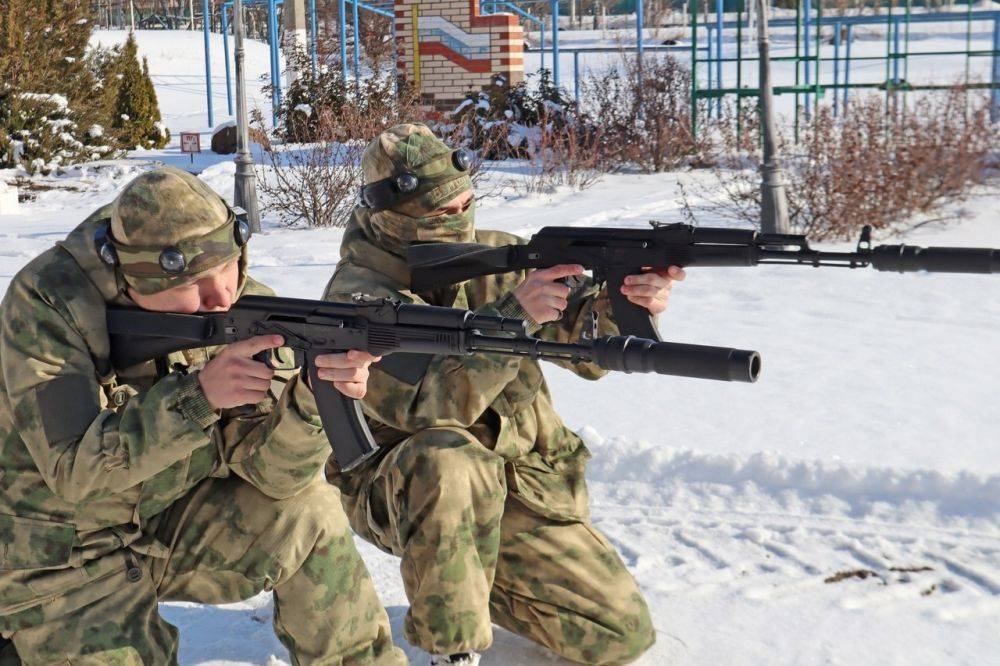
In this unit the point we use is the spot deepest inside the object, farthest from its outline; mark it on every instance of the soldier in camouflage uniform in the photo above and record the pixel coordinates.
(481, 491)
(197, 477)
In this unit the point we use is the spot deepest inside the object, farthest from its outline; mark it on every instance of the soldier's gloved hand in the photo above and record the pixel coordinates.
(542, 296)
(234, 378)
(651, 289)
(347, 371)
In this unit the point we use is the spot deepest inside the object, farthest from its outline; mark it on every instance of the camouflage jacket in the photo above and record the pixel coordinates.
(503, 401)
(89, 458)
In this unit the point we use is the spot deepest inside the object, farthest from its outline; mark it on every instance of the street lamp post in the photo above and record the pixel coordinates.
(773, 201)
(245, 195)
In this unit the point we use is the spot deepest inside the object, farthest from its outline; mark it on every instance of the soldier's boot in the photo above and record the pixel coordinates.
(441, 493)
(458, 659)
(232, 541)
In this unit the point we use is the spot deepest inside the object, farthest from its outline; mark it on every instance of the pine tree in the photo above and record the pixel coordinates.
(47, 105)
(161, 135)
(136, 114)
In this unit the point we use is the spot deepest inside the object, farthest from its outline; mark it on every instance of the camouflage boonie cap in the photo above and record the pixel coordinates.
(168, 208)
(413, 147)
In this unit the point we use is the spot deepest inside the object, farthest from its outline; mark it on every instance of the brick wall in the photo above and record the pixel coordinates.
(445, 48)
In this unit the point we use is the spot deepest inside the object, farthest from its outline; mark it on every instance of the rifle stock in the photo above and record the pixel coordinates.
(450, 263)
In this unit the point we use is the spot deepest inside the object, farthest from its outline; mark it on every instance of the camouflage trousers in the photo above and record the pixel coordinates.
(227, 542)
(486, 539)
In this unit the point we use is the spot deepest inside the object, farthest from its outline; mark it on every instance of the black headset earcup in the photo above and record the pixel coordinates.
(407, 182)
(106, 251)
(461, 159)
(102, 244)
(242, 231)
(173, 261)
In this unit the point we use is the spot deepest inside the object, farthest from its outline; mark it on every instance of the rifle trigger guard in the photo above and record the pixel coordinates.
(292, 339)
(266, 357)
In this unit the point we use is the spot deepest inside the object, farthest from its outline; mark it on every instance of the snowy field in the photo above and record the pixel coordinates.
(843, 510)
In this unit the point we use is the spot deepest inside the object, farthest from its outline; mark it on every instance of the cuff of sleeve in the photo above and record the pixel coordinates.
(509, 306)
(193, 404)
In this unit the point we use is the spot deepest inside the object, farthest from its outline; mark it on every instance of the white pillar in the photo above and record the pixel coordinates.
(296, 32)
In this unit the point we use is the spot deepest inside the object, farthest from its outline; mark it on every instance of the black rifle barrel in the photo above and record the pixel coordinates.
(909, 258)
(627, 353)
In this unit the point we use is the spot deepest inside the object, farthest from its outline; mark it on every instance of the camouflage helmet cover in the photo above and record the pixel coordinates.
(170, 208)
(413, 147)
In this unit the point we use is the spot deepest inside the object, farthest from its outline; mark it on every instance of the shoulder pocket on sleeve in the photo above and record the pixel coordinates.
(67, 405)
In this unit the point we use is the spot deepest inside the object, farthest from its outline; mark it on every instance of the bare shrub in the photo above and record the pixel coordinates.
(868, 167)
(460, 135)
(562, 151)
(314, 155)
(377, 42)
(644, 110)
(735, 134)
(314, 183)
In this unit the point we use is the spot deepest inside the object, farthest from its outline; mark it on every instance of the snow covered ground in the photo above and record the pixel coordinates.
(843, 510)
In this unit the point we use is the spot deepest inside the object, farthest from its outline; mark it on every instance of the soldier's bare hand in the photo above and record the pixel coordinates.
(347, 371)
(542, 296)
(651, 289)
(234, 378)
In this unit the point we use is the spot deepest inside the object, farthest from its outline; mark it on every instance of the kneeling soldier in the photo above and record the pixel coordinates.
(481, 491)
(196, 477)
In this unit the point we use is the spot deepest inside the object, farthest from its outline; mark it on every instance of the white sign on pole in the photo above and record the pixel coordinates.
(190, 143)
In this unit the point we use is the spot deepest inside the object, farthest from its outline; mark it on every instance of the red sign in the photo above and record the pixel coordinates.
(190, 142)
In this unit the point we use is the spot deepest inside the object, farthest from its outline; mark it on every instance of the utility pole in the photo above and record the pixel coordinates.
(131, 9)
(773, 202)
(245, 194)
(191, 14)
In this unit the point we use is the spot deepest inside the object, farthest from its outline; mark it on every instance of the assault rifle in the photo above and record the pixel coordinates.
(613, 254)
(384, 326)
